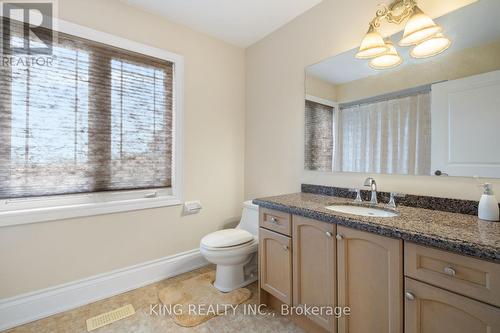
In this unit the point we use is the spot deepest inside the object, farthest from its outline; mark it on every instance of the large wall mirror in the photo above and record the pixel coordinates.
(434, 116)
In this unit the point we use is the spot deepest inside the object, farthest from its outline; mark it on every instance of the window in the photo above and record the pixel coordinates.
(98, 125)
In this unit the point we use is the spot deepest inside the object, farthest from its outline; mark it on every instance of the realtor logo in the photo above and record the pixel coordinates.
(27, 27)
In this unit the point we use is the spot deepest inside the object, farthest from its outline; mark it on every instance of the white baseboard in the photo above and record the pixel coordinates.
(26, 308)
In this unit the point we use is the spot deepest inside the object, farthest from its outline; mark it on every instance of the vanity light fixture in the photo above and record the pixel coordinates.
(420, 30)
(389, 59)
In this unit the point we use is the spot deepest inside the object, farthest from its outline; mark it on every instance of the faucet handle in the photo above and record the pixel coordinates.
(358, 194)
(392, 200)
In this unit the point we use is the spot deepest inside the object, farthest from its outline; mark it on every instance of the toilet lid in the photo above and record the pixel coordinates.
(226, 238)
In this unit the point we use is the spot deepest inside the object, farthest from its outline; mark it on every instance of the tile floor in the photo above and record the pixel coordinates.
(73, 321)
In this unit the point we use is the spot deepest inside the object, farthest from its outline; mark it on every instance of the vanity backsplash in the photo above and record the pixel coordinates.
(468, 207)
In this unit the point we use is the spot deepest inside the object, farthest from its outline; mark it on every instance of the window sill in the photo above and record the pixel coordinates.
(45, 214)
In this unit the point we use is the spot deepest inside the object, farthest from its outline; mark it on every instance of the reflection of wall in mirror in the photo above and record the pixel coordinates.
(467, 62)
(319, 88)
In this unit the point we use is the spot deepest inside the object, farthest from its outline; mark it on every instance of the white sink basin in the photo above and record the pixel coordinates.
(362, 211)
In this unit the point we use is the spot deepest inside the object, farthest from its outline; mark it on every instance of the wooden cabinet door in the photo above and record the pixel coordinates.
(370, 282)
(276, 264)
(314, 257)
(430, 309)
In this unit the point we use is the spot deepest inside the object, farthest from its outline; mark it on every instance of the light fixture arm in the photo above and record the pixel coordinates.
(396, 12)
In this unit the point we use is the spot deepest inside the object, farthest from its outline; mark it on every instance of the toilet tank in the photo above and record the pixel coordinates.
(250, 218)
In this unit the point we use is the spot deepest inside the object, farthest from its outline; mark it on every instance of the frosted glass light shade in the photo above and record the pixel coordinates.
(419, 28)
(372, 45)
(431, 47)
(388, 60)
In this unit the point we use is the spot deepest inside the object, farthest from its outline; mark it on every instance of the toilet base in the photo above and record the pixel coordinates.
(231, 277)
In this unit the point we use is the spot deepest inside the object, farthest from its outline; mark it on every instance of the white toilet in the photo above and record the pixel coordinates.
(234, 251)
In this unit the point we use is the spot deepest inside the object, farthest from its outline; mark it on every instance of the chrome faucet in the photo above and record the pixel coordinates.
(370, 182)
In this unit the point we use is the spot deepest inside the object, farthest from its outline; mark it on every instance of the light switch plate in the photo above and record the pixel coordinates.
(192, 207)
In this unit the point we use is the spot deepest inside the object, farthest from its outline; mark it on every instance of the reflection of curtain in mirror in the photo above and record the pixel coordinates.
(319, 136)
(391, 136)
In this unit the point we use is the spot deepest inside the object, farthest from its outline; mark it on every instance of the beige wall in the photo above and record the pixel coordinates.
(46, 254)
(319, 88)
(451, 66)
(275, 107)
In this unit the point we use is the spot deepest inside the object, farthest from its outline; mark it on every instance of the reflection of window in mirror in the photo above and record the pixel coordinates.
(319, 135)
(386, 134)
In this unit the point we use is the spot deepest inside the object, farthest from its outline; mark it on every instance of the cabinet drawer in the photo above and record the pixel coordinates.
(276, 221)
(471, 277)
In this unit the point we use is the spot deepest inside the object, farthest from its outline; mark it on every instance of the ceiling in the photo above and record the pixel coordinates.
(468, 27)
(239, 22)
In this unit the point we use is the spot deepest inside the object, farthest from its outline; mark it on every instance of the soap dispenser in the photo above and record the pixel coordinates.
(488, 205)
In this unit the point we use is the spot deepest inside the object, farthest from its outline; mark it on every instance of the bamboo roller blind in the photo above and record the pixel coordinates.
(99, 119)
(318, 136)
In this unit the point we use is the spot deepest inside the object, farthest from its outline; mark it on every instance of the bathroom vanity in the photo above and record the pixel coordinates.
(433, 266)
(425, 270)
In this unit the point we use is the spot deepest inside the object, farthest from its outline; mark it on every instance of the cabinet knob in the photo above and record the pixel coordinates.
(409, 296)
(329, 234)
(273, 220)
(339, 237)
(285, 247)
(449, 271)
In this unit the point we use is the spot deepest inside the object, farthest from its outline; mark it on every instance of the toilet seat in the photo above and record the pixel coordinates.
(227, 238)
(245, 247)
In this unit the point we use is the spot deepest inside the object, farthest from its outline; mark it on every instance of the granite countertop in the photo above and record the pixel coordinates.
(459, 233)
